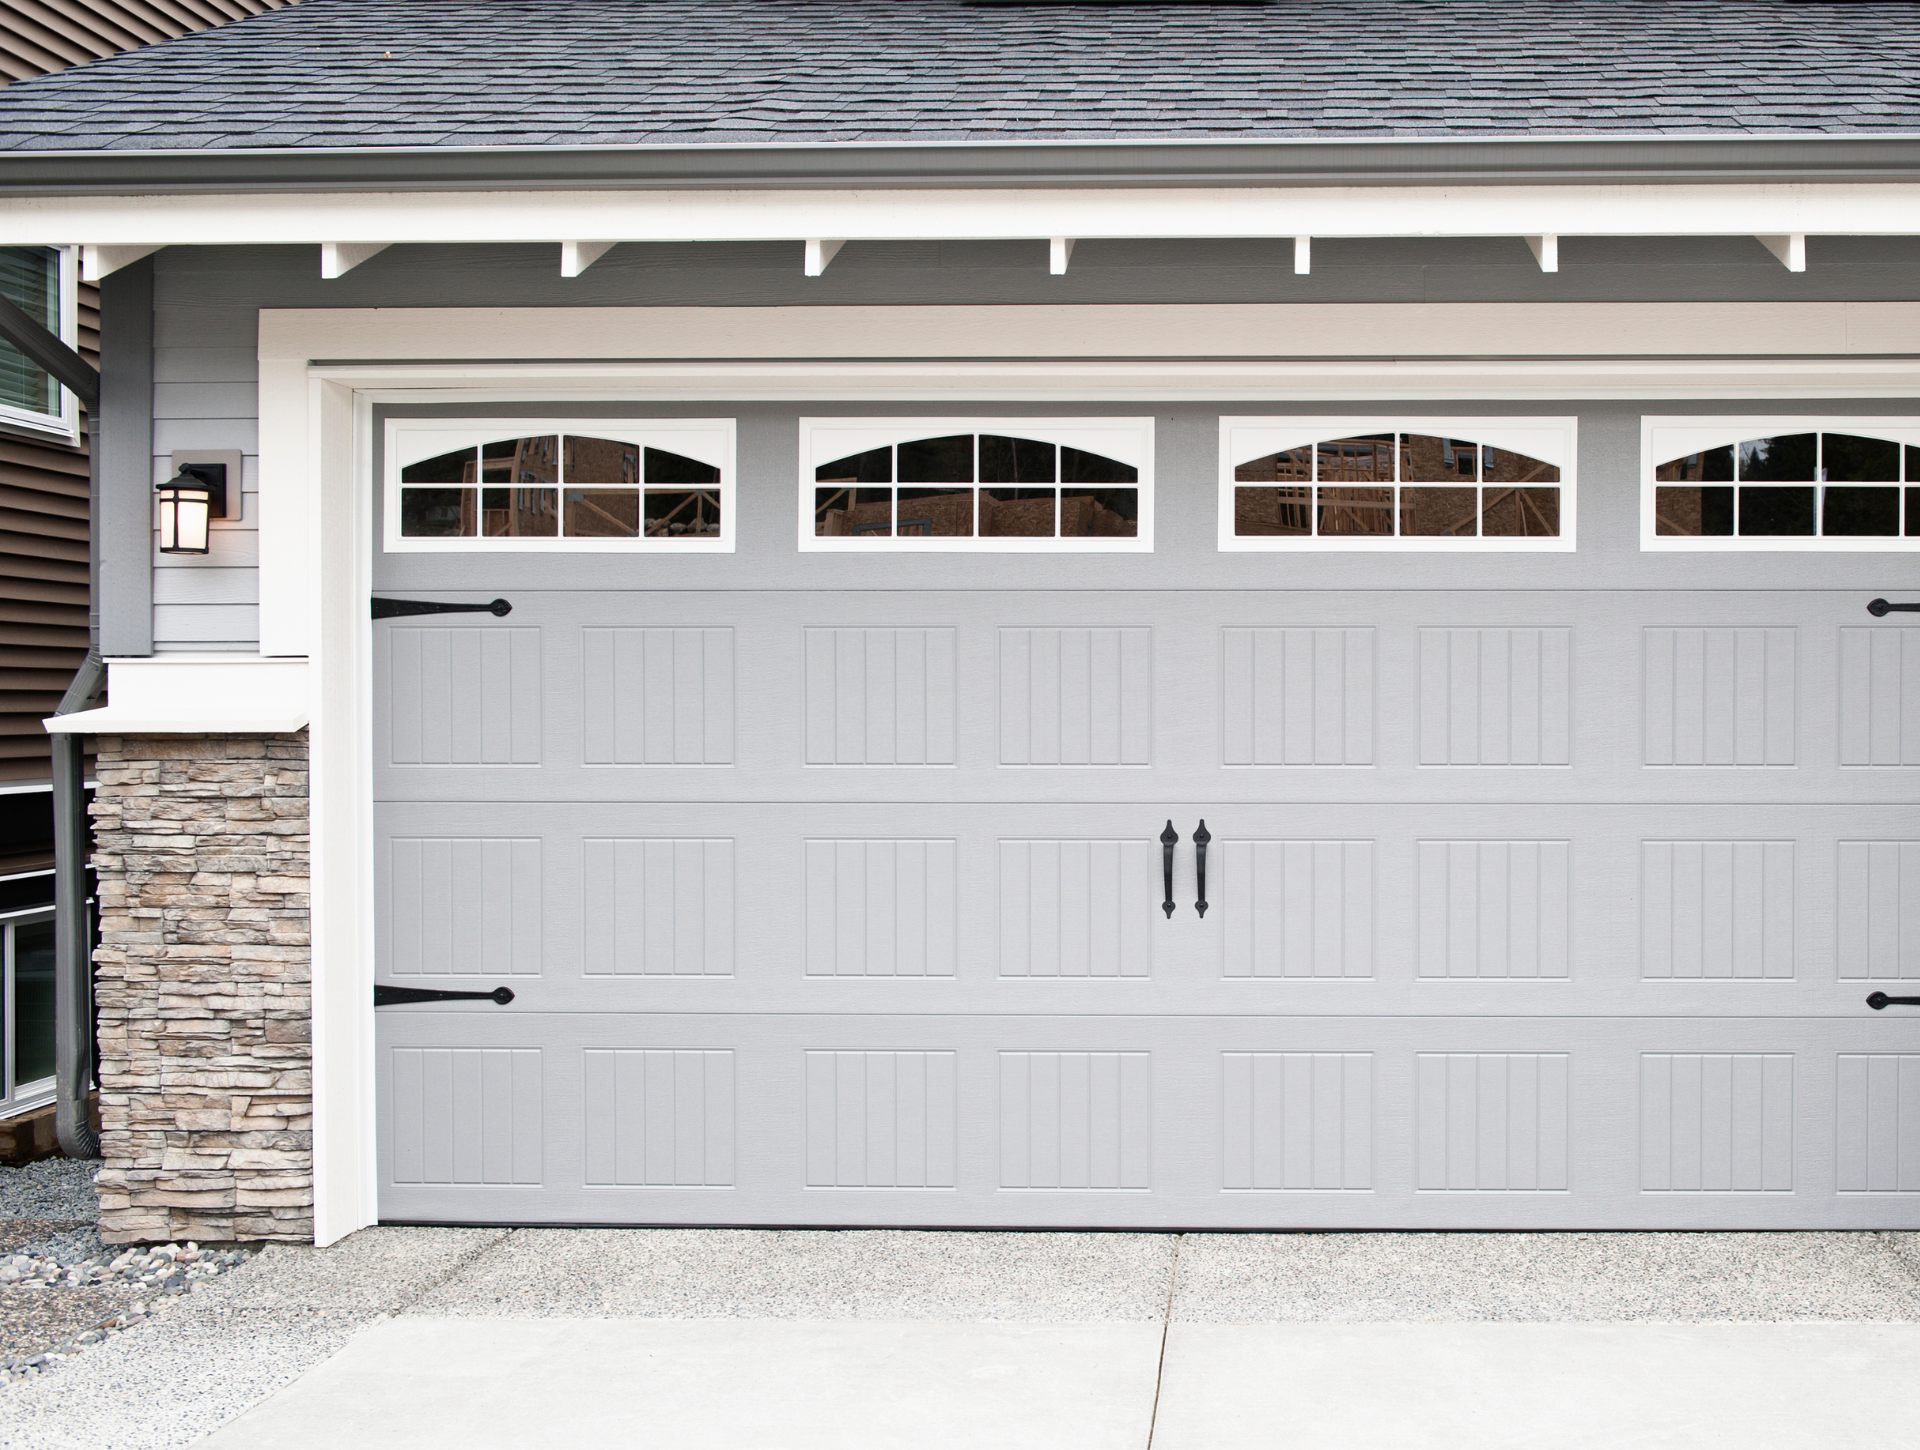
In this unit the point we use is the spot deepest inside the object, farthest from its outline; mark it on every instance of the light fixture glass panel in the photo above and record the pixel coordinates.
(1689, 511)
(439, 513)
(1017, 513)
(1447, 513)
(1349, 511)
(1268, 512)
(1425, 459)
(935, 513)
(1519, 513)
(601, 460)
(603, 513)
(185, 512)
(683, 513)
(1099, 513)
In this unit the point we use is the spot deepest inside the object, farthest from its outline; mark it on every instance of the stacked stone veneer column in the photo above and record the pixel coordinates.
(202, 977)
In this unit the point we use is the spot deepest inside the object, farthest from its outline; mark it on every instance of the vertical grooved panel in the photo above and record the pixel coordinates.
(1496, 696)
(466, 1115)
(1879, 695)
(1717, 910)
(1297, 1120)
(1719, 696)
(1877, 892)
(1297, 696)
(1877, 1130)
(463, 906)
(1076, 696)
(1295, 908)
(659, 1117)
(463, 696)
(657, 907)
(1716, 1122)
(881, 908)
(1077, 908)
(880, 696)
(881, 1119)
(657, 696)
(1491, 1122)
(1081, 1120)
(1494, 908)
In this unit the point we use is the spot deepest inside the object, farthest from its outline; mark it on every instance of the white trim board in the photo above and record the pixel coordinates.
(194, 694)
(973, 213)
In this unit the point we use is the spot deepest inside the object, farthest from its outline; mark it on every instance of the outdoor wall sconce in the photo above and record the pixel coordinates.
(189, 501)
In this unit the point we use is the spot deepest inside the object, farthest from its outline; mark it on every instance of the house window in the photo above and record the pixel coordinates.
(26, 1010)
(579, 485)
(1829, 484)
(1009, 485)
(43, 282)
(1396, 483)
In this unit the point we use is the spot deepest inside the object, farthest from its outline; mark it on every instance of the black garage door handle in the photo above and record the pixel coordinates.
(393, 608)
(395, 996)
(1879, 1000)
(1879, 608)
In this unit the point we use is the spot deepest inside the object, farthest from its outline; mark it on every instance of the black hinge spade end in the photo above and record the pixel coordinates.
(1169, 838)
(396, 996)
(1880, 609)
(1200, 839)
(1880, 1001)
(394, 608)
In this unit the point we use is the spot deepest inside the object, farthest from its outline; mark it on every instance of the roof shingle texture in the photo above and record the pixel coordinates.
(602, 72)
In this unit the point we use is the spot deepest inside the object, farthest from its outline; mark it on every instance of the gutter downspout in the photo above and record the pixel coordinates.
(72, 952)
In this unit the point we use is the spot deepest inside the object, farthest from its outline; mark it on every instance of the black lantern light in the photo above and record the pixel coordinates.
(190, 499)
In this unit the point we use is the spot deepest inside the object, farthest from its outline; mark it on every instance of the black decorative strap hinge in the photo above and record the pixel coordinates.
(396, 996)
(1880, 1000)
(394, 608)
(1880, 609)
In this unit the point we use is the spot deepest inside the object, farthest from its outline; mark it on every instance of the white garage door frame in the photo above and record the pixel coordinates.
(316, 444)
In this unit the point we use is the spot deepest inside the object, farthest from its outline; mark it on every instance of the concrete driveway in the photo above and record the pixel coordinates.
(747, 1339)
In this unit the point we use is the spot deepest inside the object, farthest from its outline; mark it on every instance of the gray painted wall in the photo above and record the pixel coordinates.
(205, 386)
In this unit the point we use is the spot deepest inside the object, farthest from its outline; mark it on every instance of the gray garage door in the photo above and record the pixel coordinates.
(828, 903)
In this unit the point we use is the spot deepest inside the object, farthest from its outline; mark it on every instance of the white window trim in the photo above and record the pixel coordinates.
(1552, 440)
(64, 423)
(38, 1093)
(407, 437)
(1666, 436)
(1106, 436)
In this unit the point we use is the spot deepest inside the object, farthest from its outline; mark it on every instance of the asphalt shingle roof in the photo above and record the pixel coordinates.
(603, 72)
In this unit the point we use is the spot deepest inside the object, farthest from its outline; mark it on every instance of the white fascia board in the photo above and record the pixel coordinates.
(341, 218)
(196, 695)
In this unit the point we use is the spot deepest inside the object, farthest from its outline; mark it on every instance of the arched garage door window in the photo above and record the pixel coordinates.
(1396, 483)
(986, 485)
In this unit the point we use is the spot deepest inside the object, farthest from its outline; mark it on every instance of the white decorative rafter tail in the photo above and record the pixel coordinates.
(821, 251)
(576, 257)
(1790, 248)
(1059, 253)
(339, 258)
(1302, 256)
(1546, 251)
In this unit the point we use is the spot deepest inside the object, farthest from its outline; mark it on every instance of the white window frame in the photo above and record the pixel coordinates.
(1125, 440)
(1668, 436)
(1552, 440)
(710, 440)
(17, 1098)
(63, 423)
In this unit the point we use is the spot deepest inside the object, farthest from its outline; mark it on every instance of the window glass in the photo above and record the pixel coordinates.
(1445, 513)
(930, 513)
(1016, 460)
(1694, 512)
(686, 513)
(1099, 513)
(873, 466)
(1713, 466)
(1079, 466)
(1846, 458)
(1520, 513)
(32, 1002)
(519, 513)
(935, 460)
(665, 467)
(1775, 512)
(1790, 458)
(1440, 460)
(603, 460)
(439, 513)
(1860, 512)
(1355, 511)
(1357, 460)
(30, 277)
(1790, 485)
(603, 513)
(461, 466)
(1017, 513)
(1272, 511)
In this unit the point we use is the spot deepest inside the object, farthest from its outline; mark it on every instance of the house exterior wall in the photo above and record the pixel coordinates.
(202, 977)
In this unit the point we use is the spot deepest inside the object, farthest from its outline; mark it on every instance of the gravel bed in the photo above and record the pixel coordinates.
(61, 1288)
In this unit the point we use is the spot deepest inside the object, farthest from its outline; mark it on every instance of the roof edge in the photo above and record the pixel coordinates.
(1307, 161)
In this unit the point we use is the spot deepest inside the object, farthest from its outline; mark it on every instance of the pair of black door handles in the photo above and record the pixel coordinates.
(1170, 838)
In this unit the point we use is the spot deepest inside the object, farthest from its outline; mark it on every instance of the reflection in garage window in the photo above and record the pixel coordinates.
(1397, 485)
(560, 486)
(1791, 485)
(976, 485)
